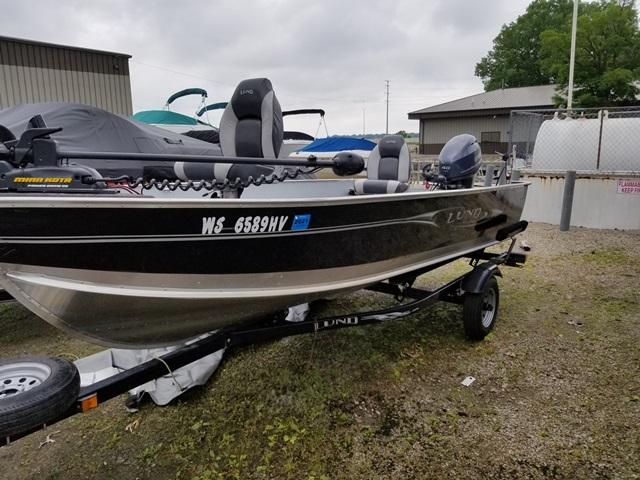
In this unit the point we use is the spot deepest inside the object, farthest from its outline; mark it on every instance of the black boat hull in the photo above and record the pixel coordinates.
(147, 272)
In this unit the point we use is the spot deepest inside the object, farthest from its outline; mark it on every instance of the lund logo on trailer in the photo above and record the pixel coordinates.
(335, 322)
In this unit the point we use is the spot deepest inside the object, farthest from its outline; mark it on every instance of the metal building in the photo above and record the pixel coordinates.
(32, 72)
(485, 115)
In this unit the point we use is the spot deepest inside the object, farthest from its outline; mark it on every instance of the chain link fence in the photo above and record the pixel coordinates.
(603, 140)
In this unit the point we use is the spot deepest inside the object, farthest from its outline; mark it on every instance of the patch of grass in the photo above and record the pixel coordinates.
(552, 399)
(609, 257)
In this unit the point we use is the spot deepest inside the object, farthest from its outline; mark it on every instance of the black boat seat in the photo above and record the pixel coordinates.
(388, 168)
(251, 126)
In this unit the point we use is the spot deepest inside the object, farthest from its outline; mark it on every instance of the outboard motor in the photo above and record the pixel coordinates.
(460, 160)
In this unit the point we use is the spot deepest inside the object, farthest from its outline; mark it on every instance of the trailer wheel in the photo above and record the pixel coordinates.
(480, 310)
(35, 391)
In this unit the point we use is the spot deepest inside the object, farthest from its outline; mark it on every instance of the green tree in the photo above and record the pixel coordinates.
(607, 56)
(514, 60)
(534, 50)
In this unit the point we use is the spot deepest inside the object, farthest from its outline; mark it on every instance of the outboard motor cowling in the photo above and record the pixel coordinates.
(460, 160)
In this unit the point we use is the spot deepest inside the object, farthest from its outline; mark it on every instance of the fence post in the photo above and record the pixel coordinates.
(510, 145)
(567, 200)
(601, 115)
(488, 177)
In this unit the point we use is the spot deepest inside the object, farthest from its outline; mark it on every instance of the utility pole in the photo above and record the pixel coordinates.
(572, 60)
(387, 93)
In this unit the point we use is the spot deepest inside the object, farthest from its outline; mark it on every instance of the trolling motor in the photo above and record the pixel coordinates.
(347, 163)
(459, 161)
(31, 163)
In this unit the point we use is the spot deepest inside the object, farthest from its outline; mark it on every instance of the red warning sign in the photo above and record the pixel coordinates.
(629, 185)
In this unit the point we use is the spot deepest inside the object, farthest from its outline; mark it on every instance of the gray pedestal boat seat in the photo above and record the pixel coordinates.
(251, 126)
(388, 167)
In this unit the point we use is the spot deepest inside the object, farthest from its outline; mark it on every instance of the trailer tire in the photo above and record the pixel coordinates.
(480, 310)
(35, 391)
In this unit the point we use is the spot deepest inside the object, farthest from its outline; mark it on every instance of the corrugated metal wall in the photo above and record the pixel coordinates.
(34, 72)
(434, 133)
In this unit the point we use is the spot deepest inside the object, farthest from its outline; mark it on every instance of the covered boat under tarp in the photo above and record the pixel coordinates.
(181, 123)
(87, 128)
(331, 145)
(327, 148)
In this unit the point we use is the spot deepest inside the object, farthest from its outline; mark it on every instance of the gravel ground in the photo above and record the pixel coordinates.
(557, 393)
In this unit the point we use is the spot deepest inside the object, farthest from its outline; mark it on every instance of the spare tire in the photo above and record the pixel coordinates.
(35, 391)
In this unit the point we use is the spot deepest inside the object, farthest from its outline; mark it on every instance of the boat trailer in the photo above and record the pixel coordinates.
(476, 291)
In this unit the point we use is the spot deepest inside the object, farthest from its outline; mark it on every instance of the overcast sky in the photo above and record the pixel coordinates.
(331, 54)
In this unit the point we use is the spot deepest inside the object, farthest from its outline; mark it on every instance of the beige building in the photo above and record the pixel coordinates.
(485, 115)
(33, 72)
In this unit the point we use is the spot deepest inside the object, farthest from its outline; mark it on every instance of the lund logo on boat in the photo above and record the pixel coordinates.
(247, 92)
(467, 215)
(335, 322)
(459, 216)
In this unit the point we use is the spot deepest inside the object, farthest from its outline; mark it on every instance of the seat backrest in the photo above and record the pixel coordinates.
(251, 125)
(389, 160)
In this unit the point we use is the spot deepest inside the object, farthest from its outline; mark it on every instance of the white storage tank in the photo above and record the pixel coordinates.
(572, 144)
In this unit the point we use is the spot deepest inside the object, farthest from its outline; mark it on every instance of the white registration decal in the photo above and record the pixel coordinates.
(211, 225)
(256, 224)
(260, 224)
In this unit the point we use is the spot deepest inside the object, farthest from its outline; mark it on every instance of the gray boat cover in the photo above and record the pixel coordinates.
(87, 128)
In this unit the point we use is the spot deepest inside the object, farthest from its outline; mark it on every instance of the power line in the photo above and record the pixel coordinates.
(282, 93)
(404, 100)
(166, 69)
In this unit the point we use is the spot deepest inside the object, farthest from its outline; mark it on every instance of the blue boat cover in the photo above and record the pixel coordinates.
(337, 144)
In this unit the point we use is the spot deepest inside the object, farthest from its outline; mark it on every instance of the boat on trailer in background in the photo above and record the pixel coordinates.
(192, 126)
(232, 237)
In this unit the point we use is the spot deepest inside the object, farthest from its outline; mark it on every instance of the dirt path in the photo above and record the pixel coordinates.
(557, 393)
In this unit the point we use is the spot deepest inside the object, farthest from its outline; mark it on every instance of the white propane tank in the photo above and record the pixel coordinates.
(572, 144)
(620, 138)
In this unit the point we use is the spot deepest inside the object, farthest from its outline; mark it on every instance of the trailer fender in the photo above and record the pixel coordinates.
(479, 276)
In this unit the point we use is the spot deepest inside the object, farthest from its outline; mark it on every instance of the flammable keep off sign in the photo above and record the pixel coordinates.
(629, 185)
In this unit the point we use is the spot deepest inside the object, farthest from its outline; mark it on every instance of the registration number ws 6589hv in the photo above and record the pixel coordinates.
(253, 224)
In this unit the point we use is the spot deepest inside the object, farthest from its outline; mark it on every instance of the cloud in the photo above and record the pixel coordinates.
(332, 54)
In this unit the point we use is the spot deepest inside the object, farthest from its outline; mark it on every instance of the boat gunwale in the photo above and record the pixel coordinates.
(66, 200)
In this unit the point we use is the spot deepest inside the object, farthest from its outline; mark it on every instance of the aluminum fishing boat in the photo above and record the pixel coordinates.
(232, 236)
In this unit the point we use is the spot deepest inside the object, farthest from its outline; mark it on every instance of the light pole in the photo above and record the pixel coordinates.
(572, 60)
(387, 84)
